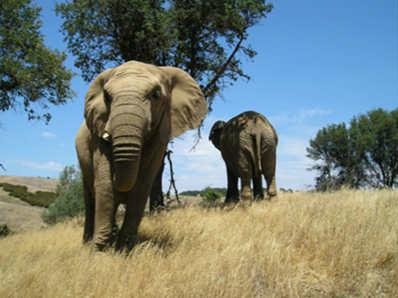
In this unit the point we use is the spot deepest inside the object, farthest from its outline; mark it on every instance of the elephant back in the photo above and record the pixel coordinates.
(248, 136)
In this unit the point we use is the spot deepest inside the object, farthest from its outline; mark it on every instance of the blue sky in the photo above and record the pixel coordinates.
(318, 62)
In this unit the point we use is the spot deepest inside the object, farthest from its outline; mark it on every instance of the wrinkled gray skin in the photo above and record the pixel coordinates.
(248, 146)
(131, 113)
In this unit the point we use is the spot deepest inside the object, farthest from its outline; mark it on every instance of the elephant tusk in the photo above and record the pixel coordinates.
(106, 137)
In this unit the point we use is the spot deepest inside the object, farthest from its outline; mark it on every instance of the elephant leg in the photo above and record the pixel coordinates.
(135, 207)
(269, 165)
(105, 206)
(89, 205)
(245, 188)
(258, 191)
(86, 164)
(156, 200)
(232, 190)
(115, 227)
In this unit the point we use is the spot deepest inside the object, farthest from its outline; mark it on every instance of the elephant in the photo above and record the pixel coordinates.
(131, 112)
(248, 144)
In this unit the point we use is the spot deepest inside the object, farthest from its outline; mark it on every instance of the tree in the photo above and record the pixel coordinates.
(208, 39)
(31, 74)
(377, 142)
(202, 37)
(361, 154)
(332, 146)
(68, 202)
(68, 175)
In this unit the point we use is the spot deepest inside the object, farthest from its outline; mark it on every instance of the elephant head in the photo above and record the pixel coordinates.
(127, 105)
(215, 133)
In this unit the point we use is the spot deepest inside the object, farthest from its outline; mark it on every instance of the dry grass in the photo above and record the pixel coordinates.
(306, 245)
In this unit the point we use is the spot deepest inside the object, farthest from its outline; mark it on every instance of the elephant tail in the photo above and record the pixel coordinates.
(257, 158)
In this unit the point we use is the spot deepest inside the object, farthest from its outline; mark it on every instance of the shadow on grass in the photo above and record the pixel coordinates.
(162, 242)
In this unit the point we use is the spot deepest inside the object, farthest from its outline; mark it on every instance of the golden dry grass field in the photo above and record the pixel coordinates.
(343, 244)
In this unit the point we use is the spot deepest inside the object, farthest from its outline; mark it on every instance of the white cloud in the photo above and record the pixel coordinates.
(52, 166)
(48, 135)
(294, 174)
(292, 146)
(299, 117)
(292, 166)
(196, 168)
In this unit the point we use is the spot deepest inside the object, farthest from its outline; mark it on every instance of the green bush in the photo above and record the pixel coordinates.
(210, 196)
(38, 198)
(41, 198)
(69, 202)
(190, 193)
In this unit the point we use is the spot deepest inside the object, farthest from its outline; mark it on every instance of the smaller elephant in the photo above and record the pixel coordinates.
(248, 146)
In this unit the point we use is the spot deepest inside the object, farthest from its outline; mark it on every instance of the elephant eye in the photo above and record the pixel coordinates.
(107, 97)
(156, 93)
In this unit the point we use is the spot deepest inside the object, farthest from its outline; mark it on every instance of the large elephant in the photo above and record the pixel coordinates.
(248, 146)
(131, 113)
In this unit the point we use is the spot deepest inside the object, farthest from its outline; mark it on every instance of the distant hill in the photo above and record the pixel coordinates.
(19, 215)
(32, 183)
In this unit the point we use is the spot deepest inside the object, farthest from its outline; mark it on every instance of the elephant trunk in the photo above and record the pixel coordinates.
(128, 125)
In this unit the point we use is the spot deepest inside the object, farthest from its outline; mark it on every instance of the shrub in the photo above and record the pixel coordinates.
(210, 196)
(69, 202)
(190, 193)
(41, 198)
(38, 198)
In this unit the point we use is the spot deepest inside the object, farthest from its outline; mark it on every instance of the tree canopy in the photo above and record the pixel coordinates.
(361, 154)
(205, 38)
(32, 76)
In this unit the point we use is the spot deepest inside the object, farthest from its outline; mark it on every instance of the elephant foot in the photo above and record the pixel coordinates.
(104, 242)
(246, 194)
(246, 197)
(272, 194)
(231, 200)
(126, 243)
(245, 203)
(100, 247)
(87, 239)
(259, 197)
(114, 235)
(88, 233)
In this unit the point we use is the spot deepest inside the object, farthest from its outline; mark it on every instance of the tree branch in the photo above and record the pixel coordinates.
(213, 81)
(221, 70)
(172, 181)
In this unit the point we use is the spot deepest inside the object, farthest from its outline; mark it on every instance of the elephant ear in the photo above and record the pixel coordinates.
(96, 111)
(216, 129)
(188, 105)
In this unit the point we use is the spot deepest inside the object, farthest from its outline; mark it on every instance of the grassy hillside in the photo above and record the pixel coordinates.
(307, 245)
(18, 215)
(38, 198)
(32, 183)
